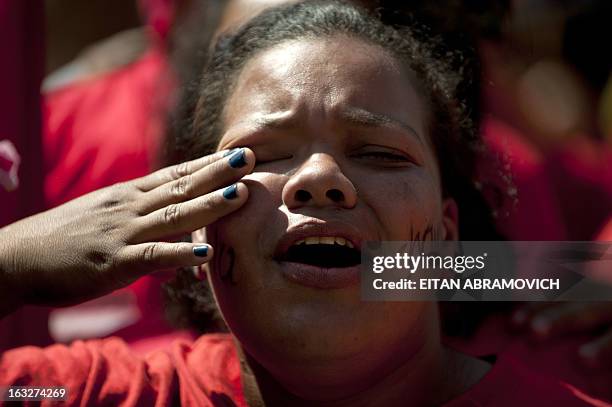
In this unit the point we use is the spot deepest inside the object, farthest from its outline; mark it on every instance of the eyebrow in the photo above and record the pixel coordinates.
(354, 115)
(366, 118)
(280, 120)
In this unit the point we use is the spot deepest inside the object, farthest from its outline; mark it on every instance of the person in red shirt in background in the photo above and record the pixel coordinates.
(546, 110)
(105, 124)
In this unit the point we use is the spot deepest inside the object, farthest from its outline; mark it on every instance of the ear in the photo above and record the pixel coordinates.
(450, 220)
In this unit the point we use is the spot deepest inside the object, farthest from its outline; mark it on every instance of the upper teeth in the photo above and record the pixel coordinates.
(325, 240)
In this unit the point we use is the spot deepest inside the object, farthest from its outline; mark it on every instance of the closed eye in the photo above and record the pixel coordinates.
(383, 157)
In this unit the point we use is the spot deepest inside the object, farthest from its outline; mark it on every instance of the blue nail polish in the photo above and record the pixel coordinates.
(200, 251)
(231, 192)
(238, 159)
(230, 152)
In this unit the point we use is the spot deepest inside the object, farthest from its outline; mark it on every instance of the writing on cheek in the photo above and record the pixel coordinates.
(225, 264)
(418, 238)
(224, 259)
(429, 233)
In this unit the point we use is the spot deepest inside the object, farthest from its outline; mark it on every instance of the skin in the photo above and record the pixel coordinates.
(321, 115)
(105, 240)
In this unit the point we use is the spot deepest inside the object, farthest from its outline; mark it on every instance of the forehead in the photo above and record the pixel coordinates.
(324, 75)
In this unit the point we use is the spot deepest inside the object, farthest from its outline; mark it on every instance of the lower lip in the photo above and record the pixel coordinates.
(318, 277)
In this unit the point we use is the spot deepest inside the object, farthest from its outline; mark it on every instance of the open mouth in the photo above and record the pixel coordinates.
(324, 252)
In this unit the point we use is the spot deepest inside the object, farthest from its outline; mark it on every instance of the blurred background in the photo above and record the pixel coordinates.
(88, 87)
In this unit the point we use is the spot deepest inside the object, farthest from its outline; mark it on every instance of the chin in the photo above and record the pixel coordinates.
(337, 355)
(311, 336)
(324, 336)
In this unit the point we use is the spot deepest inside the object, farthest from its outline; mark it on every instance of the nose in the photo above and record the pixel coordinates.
(319, 182)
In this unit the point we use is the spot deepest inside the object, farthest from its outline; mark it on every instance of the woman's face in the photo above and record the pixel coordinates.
(340, 136)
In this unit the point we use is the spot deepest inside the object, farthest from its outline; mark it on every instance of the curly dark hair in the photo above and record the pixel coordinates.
(442, 75)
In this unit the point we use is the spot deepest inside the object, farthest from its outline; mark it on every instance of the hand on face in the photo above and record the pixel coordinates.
(108, 238)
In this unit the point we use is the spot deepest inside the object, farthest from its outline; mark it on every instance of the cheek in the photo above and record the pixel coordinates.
(408, 205)
(249, 231)
(242, 225)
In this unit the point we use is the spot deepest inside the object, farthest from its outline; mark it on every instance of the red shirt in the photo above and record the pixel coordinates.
(555, 357)
(105, 130)
(561, 194)
(207, 373)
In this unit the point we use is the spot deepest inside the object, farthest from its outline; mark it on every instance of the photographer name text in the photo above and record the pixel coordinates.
(468, 284)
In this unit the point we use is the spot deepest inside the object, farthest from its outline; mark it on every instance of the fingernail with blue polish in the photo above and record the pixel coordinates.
(238, 159)
(231, 192)
(200, 251)
(230, 152)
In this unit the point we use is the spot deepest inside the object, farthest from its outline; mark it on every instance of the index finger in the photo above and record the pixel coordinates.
(174, 172)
